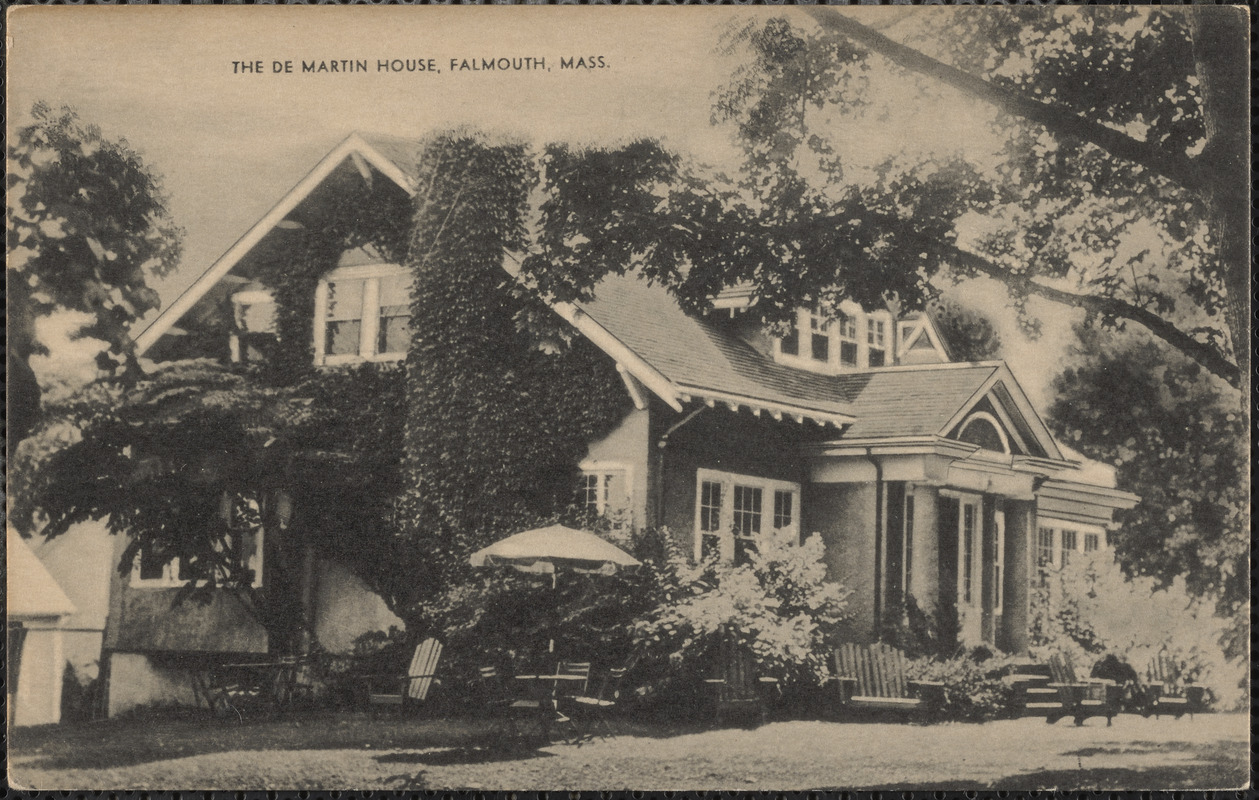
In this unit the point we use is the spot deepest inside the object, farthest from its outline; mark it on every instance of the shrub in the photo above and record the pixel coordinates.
(778, 606)
(1089, 608)
(973, 689)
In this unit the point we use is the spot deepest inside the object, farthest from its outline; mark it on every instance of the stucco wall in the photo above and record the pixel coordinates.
(346, 609)
(843, 513)
(136, 681)
(82, 561)
(925, 583)
(628, 445)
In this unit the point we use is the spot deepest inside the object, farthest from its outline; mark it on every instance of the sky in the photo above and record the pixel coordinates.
(229, 143)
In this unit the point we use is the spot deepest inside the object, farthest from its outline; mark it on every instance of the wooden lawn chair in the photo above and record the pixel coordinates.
(1081, 698)
(412, 687)
(737, 686)
(873, 677)
(593, 712)
(1166, 691)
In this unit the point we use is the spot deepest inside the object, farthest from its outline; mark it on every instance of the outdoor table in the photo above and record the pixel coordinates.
(229, 685)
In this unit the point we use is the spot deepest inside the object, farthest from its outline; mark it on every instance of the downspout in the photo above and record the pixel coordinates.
(878, 539)
(660, 448)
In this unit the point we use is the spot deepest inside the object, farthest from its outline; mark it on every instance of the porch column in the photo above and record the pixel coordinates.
(1020, 525)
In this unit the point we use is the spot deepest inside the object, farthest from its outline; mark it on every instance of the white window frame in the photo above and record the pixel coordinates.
(859, 320)
(241, 301)
(170, 570)
(876, 328)
(371, 275)
(1080, 529)
(728, 480)
(605, 470)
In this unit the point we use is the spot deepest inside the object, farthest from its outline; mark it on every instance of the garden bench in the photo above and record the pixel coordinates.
(873, 677)
(1168, 692)
(1081, 699)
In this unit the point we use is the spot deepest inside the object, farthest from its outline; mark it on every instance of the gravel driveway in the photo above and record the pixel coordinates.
(356, 751)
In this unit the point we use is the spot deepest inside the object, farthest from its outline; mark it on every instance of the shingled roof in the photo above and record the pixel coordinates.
(698, 355)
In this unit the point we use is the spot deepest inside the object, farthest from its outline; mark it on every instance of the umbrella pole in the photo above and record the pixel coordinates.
(554, 586)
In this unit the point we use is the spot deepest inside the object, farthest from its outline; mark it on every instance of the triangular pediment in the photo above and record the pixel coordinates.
(1001, 419)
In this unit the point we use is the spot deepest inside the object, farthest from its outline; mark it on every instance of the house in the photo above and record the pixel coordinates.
(924, 476)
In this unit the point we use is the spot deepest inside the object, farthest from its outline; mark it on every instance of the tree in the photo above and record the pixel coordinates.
(87, 224)
(1178, 441)
(1118, 118)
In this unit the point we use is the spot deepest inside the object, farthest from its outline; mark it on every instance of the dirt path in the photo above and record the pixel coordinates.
(1209, 751)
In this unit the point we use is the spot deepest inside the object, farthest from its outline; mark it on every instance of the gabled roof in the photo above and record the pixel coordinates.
(679, 357)
(32, 590)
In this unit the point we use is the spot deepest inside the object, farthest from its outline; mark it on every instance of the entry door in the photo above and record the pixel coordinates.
(970, 526)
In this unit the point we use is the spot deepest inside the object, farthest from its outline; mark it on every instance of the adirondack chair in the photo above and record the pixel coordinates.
(873, 677)
(415, 685)
(736, 685)
(1081, 698)
(1167, 692)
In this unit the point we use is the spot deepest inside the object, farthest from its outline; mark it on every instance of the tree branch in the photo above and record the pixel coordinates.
(1201, 352)
(1056, 118)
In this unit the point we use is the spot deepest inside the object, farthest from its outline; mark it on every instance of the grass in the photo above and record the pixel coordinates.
(362, 751)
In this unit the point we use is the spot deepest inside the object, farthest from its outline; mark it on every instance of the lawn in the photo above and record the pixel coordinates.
(359, 751)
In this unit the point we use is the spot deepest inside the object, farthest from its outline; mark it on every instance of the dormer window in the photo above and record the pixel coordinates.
(363, 313)
(819, 338)
(847, 340)
(876, 341)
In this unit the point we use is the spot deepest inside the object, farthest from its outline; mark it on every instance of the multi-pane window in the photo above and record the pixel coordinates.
(847, 340)
(968, 550)
(876, 341)
(1045, 547)
(363, 312)
(239, 553)
(783, 502)
(747, 520)
(730, 511)
(819, 338)
(1092, 542)
(394, 332)
(790, 344)
(343, 328)
(710, 518)
(909, 543)
(998, 561)
(1067, 539)
(603, 489)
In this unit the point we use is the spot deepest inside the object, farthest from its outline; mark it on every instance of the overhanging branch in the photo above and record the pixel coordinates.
(1201, 352)
(1056, 118)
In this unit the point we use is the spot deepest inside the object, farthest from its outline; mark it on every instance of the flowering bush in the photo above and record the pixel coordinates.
(1089, 608)
(778, 606)
(973, 689)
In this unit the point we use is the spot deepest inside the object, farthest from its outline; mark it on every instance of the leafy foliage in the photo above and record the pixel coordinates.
(87, 224)
(973, 689)
(778, 607)
(1181, 446)
(1090, 608)
(1107, 193)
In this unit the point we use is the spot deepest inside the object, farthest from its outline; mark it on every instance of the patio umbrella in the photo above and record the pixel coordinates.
(552, 549)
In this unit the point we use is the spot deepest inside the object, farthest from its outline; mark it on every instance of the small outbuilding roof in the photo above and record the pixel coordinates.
(33, 592)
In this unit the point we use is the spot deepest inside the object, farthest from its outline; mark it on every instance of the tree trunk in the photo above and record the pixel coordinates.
(1221, 47)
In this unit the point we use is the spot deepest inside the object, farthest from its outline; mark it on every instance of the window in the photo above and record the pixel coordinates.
(968, 551)
(730, 510)
(710, 519)
(998, 561)
(604, 489)
(1092, 542)
(876, 339)
(1067, 538)
(253, 325)
(789, 345)
(241, 546)
(363, 312)
(1045, 547)
(847, 340)
(819, 338)
(909, 544)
